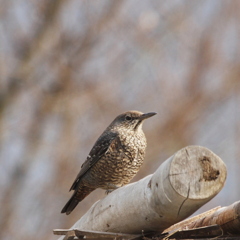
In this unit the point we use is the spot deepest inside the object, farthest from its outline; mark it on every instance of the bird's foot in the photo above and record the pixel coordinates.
(109, 191)
(111, 187)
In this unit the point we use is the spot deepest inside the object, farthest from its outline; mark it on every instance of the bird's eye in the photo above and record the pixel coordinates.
(128, 118)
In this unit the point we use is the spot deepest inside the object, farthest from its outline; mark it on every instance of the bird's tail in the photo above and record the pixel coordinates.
(80, 193)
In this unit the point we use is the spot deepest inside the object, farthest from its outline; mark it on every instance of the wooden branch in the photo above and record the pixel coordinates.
(71, 234)
(208, 232)
(227, 218)
(217, 223)
(180, 186)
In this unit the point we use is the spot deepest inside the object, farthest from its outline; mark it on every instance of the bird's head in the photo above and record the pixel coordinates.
(131, 120)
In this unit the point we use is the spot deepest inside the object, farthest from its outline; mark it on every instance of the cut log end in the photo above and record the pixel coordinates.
(197, 173)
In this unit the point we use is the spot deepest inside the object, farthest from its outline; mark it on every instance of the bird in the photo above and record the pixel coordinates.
(114, 160)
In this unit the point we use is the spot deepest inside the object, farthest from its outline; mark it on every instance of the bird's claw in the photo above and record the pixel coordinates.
(109, 191)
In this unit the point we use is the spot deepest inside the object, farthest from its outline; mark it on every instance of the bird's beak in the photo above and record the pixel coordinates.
(147, 115)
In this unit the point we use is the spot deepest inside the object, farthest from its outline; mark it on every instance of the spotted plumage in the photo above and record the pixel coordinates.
(114, 159)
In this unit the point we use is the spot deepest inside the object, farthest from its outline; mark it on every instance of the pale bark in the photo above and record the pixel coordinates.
(180, 186)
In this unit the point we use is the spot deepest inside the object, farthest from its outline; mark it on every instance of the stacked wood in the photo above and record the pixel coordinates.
(217, 223)
(180, 186)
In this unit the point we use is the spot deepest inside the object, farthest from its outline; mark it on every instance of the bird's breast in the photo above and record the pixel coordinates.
(121, 162)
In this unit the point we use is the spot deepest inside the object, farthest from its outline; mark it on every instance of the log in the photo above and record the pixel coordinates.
(179, 187)
(219, 222)
(227, 218)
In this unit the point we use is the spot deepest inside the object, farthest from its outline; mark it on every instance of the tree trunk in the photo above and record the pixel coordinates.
(180, 186)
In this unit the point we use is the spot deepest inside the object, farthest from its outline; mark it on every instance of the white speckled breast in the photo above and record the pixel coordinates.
(119, 164)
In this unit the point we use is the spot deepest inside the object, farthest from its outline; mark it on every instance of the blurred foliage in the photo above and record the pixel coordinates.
(67, 68)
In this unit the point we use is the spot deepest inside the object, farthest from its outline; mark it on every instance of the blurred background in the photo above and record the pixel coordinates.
(67, 68)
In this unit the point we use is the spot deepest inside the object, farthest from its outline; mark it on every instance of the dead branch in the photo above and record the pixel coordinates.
(220, 221)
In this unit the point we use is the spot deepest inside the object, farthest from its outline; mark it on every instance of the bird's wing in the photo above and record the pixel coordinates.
(102, 145)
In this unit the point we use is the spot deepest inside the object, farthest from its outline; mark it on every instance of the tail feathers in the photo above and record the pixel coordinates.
(70, 205)
(77, 197)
